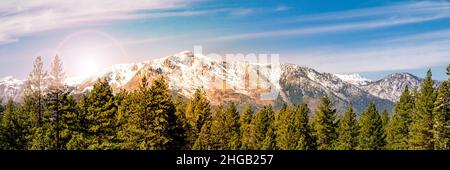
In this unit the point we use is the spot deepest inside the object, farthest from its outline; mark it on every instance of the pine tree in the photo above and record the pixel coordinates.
(303, 139)
(57, 74)
(282, 120)
(293, 131)
(385, 119)
(371, 135)
(34, 107)
(34, 92)
(62, 106)
(441, 118)
(165, 119)
(324, 124)
(232, 128)
(152, 120)
(263, 123)
(98, 114)
(53, 134)
(347, 130)
(14, 128)
(398, 127)
(224, 131)
(420, 133)
(204, 140)
(181, 128)
(125, 110)
(198, 111)
(246, 128)
(215, 137)
(42, 137)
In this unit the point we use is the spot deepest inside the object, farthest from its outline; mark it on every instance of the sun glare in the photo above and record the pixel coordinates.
(87, 52)
(89, 67)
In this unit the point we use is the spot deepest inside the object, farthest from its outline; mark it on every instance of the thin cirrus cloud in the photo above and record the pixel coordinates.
(21, 18)
(280, 8)
(353, 20)
(398, 53)
(405, 9)
(330, 28)
(439, 35)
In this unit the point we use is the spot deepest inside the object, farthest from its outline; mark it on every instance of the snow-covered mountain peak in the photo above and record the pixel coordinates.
(74, 81)
(11, 88)
(391, 86)
(235, 80)
(354, 78)
(10, 80)
(402, 75)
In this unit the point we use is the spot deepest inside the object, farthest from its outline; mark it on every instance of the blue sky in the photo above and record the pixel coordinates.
(373, 38)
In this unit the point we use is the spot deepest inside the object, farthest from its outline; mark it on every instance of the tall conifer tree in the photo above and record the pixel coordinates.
(347, 130)
(420, 133)
(264, 129)
(371, 136)
(303, 139)
(198, 111)
(324, 124)
(441, 118)
(247, 130)
(151, 119)
(232, 126)
(14, 128)
(34, 106)
(98, 111)
(398, 127)
(283, 120)
(293, 131)
(34, 92)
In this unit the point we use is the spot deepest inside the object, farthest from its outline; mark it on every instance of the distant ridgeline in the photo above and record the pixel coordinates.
(237, 81)
(149, 106)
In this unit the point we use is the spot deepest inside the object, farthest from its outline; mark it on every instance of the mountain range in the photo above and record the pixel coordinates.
(243, 82)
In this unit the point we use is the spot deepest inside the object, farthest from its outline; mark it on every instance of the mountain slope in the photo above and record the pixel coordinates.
(223, 81)
(392, 86)
(306, 84)
(11, 88)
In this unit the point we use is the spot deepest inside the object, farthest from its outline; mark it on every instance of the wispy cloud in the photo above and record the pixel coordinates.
(439, 35)
(329, 28)
(394, 10)
(20, 18)
(128, 42)
(370, 18)
(280, 8)
(383, 56)
(241, 11)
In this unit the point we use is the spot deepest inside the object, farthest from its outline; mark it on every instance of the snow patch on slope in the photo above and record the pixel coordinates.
(354, 78)
(11, 88)
(11, 81)
(74, 81)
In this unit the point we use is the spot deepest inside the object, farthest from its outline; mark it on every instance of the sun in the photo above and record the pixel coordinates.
(89, 67)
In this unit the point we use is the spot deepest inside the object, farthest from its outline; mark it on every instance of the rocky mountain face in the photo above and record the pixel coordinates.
(392, 86)
(306, 84)
(243, 82)
(11, 88)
